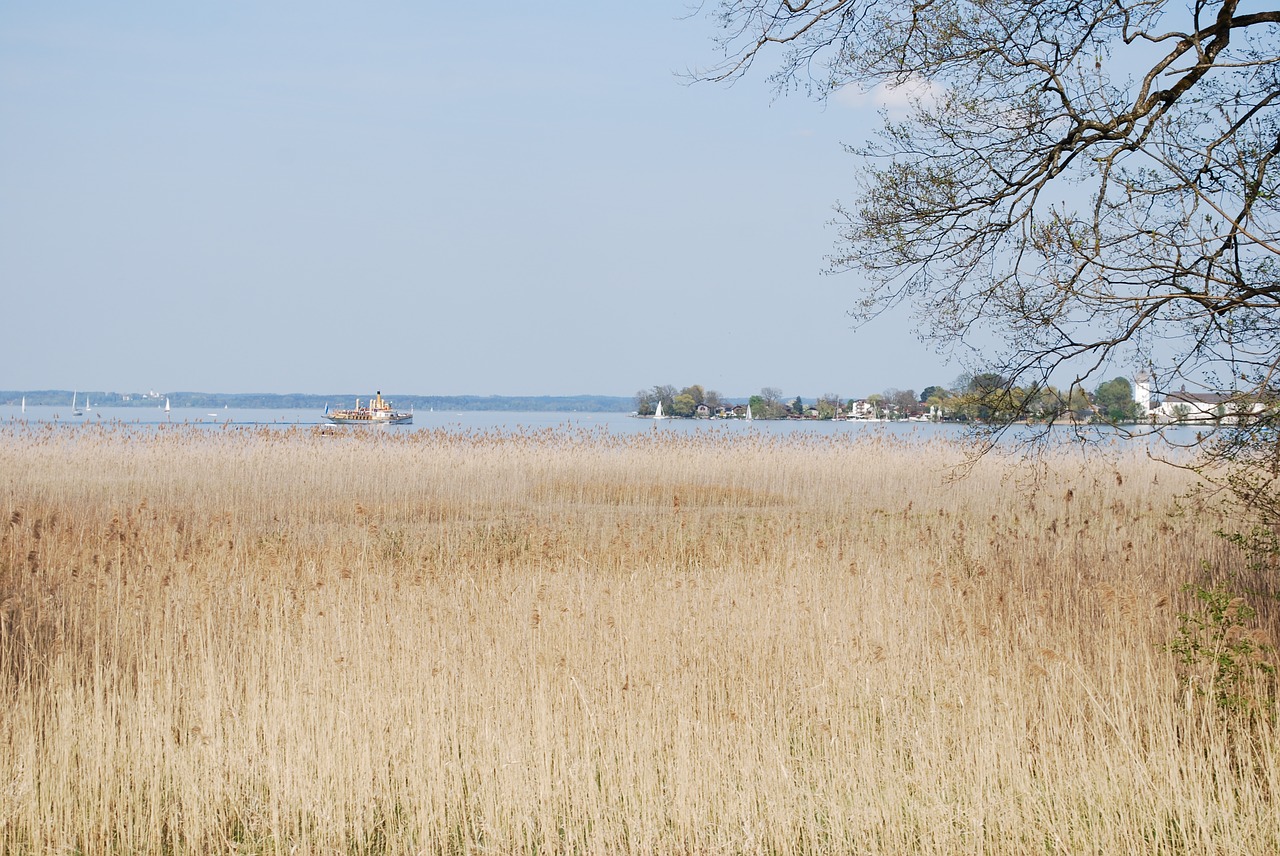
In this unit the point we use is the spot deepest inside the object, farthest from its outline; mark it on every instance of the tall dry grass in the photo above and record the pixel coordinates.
(573, 642)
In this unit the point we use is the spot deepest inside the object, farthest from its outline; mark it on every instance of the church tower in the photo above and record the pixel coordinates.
(1142, 392)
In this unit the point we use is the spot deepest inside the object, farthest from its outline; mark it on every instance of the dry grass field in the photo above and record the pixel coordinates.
(283, 641)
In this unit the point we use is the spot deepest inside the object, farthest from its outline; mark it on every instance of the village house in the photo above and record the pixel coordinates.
(862, 409)
(1183, 406)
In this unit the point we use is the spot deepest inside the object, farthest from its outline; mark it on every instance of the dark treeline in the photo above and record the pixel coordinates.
(970, 398)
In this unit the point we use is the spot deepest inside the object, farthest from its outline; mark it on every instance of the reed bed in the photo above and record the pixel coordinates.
(564, 641)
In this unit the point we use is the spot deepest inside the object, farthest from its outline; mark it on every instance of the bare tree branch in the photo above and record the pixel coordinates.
(1090, 183)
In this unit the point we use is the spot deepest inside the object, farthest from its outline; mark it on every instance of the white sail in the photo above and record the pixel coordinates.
(657, 414)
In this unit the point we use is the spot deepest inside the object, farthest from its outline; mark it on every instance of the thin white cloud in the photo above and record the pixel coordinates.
(896, 98)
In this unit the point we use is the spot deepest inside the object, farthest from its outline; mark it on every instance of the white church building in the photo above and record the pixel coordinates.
(1184, 406)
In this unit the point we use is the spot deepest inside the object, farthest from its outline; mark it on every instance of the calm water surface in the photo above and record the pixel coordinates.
(615, 423)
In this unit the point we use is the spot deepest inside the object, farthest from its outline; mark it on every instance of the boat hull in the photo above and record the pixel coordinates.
(377, 412)
(370, 419)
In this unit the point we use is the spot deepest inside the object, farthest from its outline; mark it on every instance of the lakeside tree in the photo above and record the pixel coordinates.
(1071, 187)
(938, 400)
(665, 393)
(1051, 405)
(683, 405)
(771, 397)
(989, 399)
(695, 392)
(932, 392)
(1114, 401)
(828, 405)
(677, 403)
(903, 401)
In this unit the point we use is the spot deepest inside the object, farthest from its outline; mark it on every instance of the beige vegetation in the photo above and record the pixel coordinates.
(560, 641)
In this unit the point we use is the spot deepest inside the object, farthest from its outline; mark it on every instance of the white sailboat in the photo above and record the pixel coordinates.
(24, 404)
(749, 416)
(75, 411)
(657, 414)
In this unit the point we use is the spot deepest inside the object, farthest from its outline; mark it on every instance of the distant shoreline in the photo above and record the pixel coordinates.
(306, 401)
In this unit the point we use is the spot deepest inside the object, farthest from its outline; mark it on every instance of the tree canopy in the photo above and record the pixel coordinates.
(1074, 187)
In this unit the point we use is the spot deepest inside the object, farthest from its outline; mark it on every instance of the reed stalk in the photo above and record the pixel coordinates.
(566, 641)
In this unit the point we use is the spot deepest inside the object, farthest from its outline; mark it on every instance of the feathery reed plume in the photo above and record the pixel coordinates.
(561, 640)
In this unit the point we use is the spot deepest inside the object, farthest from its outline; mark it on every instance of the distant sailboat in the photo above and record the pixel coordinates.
(75, 411)
(166, 408)
(86, 402)
(24, 404)
(749, 416)
(657, 414)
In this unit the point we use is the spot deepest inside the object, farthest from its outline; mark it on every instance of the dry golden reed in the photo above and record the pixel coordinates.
(567, 641)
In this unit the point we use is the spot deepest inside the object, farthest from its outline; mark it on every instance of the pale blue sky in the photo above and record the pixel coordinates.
(428, 198)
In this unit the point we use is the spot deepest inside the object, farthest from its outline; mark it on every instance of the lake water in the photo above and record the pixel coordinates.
(617, 423)
(477, 420)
